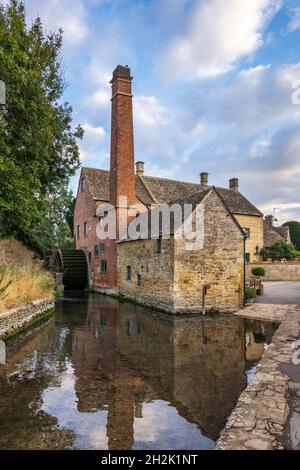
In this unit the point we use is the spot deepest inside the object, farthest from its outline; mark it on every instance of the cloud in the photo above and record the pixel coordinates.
(70, 15)
(293, 11)
(90, 147)
(215, 35)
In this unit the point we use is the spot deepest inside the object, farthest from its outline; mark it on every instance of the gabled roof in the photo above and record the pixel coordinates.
(154, 190)
(273, 234)
(145, 219)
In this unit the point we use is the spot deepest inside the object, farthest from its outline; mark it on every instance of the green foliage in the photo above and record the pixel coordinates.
(295, 233)
(258, 271)
(250, 293)
(38, 145)
(280, 250)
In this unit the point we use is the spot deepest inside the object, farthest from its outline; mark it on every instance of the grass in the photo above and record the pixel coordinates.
(19, 286)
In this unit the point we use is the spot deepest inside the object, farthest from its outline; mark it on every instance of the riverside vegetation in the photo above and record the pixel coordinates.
(21, 285)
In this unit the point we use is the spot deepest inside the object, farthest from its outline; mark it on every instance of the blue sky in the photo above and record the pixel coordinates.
(212, 83)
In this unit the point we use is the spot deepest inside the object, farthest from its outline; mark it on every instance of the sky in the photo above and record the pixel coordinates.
(216, 87)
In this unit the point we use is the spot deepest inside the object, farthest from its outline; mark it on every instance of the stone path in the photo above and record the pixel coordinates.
(264, 412)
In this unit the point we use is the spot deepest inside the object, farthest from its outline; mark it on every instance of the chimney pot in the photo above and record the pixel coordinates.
(204, 179)
(270, 219)
(139, 168)
(234, 184)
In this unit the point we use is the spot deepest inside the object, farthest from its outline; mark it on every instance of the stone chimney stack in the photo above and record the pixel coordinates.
(270, 219)
(122, 177)
(204, 179)
(139, 168)
(234, 184)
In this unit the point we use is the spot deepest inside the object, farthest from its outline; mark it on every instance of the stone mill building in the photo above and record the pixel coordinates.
(160, 271)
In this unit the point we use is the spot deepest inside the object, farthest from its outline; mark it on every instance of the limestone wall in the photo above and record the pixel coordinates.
(17, 319)
(256, 227)
(156, 271)
(219, 263)
(173, 280)
(288, 271)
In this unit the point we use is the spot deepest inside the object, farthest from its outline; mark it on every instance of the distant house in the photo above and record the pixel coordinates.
(98, 187)
(273, 234)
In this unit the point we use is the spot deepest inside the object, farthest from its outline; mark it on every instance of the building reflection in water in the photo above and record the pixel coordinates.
(108, 374)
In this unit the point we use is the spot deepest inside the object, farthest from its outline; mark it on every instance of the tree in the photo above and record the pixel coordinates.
(280, 250)
(38, 145)
(295, 232)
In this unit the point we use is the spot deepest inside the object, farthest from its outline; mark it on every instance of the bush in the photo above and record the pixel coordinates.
(280, 250)
(259, 271)
(250, 293)
(19, 286)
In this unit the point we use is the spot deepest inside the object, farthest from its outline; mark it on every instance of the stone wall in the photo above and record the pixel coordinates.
(219, 263)
(256, 227)
(288, 271)
(156, 270)
(173, 280)
(258, 420)
(17, 319)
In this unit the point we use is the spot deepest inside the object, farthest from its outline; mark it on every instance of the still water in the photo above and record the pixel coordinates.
(104, 374)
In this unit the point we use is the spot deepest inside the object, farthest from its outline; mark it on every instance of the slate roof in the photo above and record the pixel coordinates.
(274, 234)
(146, 218)
(154, 190)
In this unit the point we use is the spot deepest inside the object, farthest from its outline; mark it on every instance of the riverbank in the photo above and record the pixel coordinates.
(14, 320)
(261, 417)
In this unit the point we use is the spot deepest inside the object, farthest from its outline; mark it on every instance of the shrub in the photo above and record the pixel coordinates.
(259, 271)
(19, 286)
(250, 293)
(280, 250)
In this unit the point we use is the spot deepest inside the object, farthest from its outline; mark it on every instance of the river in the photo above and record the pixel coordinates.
(106, 374)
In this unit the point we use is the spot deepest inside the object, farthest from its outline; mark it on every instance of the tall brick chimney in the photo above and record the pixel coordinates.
(122, 177)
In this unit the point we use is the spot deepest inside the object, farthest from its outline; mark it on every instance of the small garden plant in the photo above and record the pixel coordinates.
(250, 293)
(258, 271)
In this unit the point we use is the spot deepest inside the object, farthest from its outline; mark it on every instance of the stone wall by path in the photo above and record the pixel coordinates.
(257, 422)
(16, 319)
(282, 271)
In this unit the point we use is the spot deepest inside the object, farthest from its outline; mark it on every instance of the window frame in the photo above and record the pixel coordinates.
(103, 262)
(128, 273)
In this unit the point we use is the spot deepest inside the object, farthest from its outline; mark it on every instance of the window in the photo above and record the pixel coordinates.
(85, 229)
(159, 245)
(103, 266)
(82, 184)
(247, 231)
(129, 327)
(139, 280)
(97, 250)
(129, 273)
(247, 257)
(78, 231)
(90, 257)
